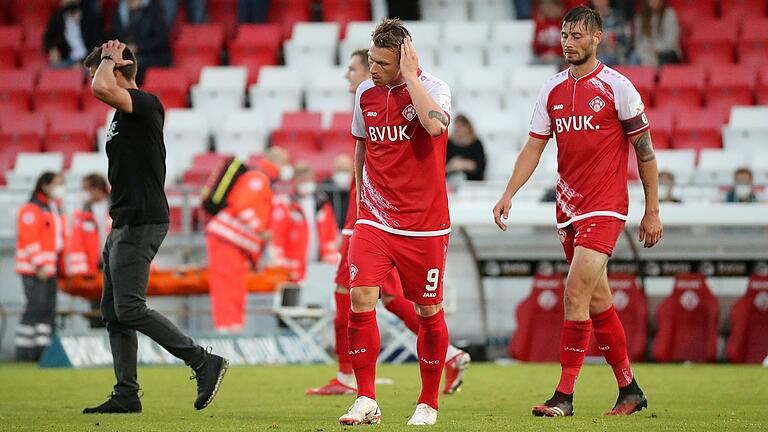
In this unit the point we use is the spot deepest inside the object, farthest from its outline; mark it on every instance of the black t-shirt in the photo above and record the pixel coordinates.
(136, 153)
(473, 152)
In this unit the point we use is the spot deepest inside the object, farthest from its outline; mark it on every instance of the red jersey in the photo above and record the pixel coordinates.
(591, 118)
(403, 180)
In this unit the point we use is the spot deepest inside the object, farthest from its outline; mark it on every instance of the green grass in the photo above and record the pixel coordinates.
(681, 398)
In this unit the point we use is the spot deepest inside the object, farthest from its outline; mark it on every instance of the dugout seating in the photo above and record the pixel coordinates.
(632, 308)
(687, 322)
(540, 321)
(748, 342)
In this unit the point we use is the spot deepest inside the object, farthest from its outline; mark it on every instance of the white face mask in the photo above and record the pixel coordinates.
(342, 179)
(57, 192)
(742, 190)
(306, 188)
(286, 172)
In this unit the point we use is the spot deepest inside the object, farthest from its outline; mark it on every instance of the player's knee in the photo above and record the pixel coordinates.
(127, 313)
(575, 300)
(428, 310)
(387, 298)
(599, 304)
(364, 298)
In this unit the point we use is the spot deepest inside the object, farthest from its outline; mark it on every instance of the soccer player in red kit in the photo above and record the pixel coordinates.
(456, 360)
(400, 122)
(593, 111)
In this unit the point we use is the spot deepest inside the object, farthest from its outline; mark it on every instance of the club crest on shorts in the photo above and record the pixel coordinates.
(409, 112)
(352, 272)
(597, 103)
(561, 233)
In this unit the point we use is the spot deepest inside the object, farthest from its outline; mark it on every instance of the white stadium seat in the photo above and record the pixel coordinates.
(717, 165)
(242, 134)
(312, 45)
(29, 166)
(358, 36)
(444, 10)
(328, 91)
(83, 164)
(747, 126)
(221, 89)
(680, 163)
(510, 43)
(757, 161)
(278, 90)
(426, 40)
(480, 89)
(464, 44)
(490, 10)
(525, 82)
(498, 132)
(186, 134)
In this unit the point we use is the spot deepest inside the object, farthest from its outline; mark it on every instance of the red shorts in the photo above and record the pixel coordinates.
(598, 233)
(390, 286)
(420, 262)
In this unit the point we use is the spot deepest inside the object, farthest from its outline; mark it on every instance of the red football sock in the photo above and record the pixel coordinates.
(404, 310)
(574, 341)
(612, 342)
(343, 303)
(364, 345)
(431, 346)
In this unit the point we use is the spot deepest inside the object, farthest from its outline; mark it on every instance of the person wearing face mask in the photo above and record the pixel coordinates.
(337, 186)
(667, 188)
(71, 31)
(39, 244)
(742, 190)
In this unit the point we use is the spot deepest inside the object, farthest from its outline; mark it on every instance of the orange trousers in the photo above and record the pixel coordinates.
(227, 282)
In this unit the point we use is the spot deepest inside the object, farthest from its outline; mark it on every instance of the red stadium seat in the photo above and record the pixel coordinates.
(679, 87)
(198, 45)
(33, 12)
(337, 142)
(643, 78)
(223, 12)
(10, 42)
(297, 141)
(169, 84)
(730, 85)
(748, 342)
(59, 90)
(662, 124)
(346, 11)
(539, 321)
(341, 121)
(254, 46)
(33, 55)
(286, 13)
(202, 166)
(711, 41)
(70, 133)
(16, 88)
(761, 91)
(303, 120)
(754, 42)
(23, 130)
(690, 12)
(700, 128)
(736, 10)
(320, 161)
(687, 322)
(632, 308)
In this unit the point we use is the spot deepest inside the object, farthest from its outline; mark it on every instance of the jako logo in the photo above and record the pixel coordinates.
(388, 133)
(430, 362)
(557, 107)
(574, 349)
(575, 123)
(371, 114)
(357, 351)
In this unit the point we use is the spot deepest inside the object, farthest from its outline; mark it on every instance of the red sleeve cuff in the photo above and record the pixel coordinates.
(539, 136)
(358, 138)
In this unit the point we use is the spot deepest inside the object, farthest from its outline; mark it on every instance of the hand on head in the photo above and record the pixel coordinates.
(114, 49)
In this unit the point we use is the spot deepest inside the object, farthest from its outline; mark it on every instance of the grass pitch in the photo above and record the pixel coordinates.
(494, 398)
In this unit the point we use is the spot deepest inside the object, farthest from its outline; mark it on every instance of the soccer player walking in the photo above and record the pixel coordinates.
(139, 211)
(400, 122)
(592, 110)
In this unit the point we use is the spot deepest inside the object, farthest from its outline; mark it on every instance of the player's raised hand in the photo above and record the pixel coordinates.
(651, 230)
(114, 49)
(501, 211)
(409, 61)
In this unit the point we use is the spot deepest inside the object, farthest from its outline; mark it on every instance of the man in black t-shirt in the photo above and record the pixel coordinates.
(139, 211)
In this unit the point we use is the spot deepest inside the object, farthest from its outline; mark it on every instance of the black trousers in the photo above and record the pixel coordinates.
(127, 256)
(33, 333)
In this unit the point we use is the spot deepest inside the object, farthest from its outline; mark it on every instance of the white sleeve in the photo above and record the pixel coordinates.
(630, 108)
(541, 124)
(441, 94)
(358, 124)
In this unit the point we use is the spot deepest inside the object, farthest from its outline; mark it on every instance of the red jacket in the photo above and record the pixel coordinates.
(83, 248)
(247, 214)
(36, 244)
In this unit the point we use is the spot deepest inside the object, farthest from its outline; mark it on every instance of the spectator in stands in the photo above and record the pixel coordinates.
(657, 34)
(550, 195)
(252, 11)
(614, 46)
(523, 9)
(195, 11)
(465, 157)
(546, 37)
(667, 188)
(337, 186)
(140, 24)
(404, 9)
(743, 190)
(71, 32)
(317, 210)
(39, 243)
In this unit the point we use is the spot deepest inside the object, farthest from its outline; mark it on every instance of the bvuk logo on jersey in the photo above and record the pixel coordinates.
(409, 112)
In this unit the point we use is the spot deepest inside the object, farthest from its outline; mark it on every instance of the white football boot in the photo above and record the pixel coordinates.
(424, 415)
(364, 411)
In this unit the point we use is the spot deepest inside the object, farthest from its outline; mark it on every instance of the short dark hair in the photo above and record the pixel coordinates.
(129, 71)
(45, 179)
(390, 34)
(743, 170)
(96, 181)
(590, 17)
(363, 54)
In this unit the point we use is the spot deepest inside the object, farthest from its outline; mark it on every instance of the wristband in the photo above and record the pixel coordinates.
(108, 57)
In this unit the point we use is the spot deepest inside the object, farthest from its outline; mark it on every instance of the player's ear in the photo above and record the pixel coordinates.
(598, 36)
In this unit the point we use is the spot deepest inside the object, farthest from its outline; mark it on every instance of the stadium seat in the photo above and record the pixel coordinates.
(426, 37)
(83, 164)
(301, 121)
(490, 10)
(59, 90)
(758, 163)
(717, 166)
(198, 45)
(312, 45)
(510, 43)
(286, 13)
(203, 165)
(525, 82)
(328, 91)
(499, 134)
(737, 10)
(341, 121)
(539, 321)
(754, 41)
(748, 342)
(221, 89)
(746, 127)
(632, 308)
(356, 36)
(730, 85)
(464, 44)
(254, 46)
(298, 133)
(186, 133)
(761, 90)
(70, 133)
(23, 130)
(711, 41)
(243, 133)
(690, 12)
(337, 142)
(444, 10)
(170, 85)
(224, 12)
(346, 11)
(662, 124)
(699, 129)
(29, 166)
(10, 42)
(33, 12)
(643, 78)
(687, 322)
(479, 90)
(679, 87)
(16, 87)
(277, 90)
(680, 163)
